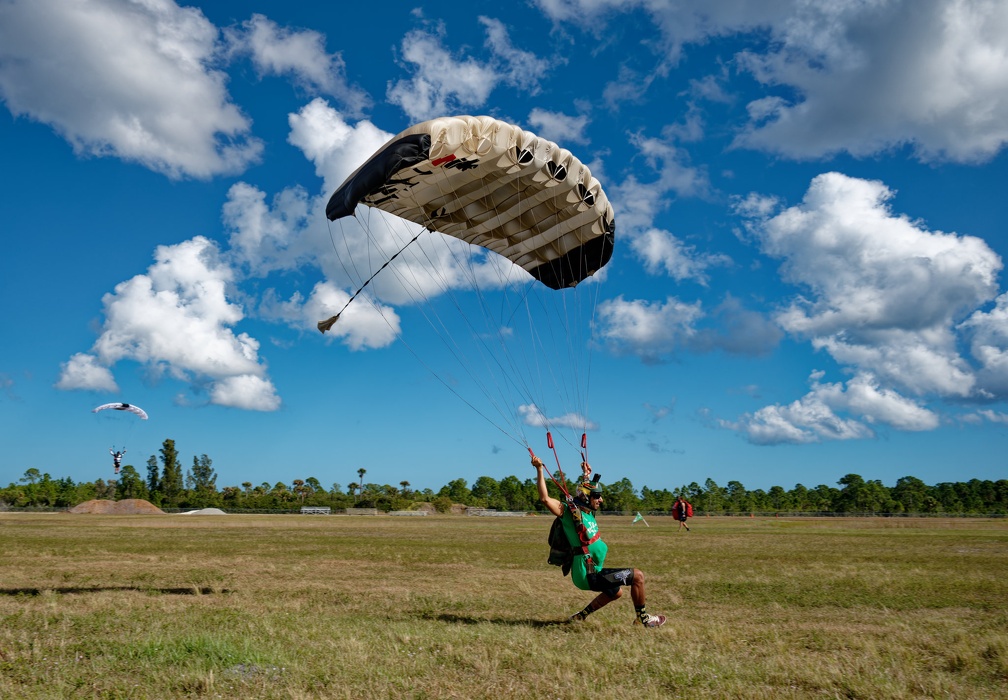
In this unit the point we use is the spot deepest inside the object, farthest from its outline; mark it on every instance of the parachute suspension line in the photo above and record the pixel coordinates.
(323, 326)
(365, 223)
(462, 398)
(448, 338)
(492, 361)
(591, 348)
(412, 287)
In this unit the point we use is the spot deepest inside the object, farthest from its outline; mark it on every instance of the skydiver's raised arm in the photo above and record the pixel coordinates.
(552, 505)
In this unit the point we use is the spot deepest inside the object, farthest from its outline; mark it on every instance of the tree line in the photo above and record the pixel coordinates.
(166, 485)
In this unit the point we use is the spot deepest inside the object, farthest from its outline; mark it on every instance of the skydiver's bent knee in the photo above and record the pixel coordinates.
(608, 581)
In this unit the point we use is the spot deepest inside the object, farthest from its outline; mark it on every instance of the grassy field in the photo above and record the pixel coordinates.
(261, 606)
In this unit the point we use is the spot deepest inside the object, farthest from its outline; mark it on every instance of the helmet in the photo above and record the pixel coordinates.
(587, 489)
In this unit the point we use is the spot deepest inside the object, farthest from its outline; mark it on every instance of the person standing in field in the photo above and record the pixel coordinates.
(587, 568)
(681, 510)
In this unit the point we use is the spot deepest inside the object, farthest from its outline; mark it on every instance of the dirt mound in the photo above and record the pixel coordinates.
(204, 511)
(129, 506)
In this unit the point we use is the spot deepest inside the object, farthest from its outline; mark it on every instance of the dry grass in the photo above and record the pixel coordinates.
(163, 606)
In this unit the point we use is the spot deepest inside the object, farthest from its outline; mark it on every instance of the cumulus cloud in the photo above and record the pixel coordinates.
(652, 331)
(265, 237)
(891, 301)
(662, 252)
(176, 321)
(875, 76)
(987, 334)
(83, 371)
(364, 324)
(860, 77)
(883, 293)
(334, 145)
(299, 55)
(557, 126)
(56, 68)
(532, 416)
(637, 204)
(833, 411)
(442, 83)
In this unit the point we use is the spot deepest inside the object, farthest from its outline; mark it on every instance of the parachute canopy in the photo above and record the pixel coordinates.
(121, 407)
(493, 185)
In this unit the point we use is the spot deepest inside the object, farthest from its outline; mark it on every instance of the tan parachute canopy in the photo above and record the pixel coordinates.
(494, 185)
(502, 189)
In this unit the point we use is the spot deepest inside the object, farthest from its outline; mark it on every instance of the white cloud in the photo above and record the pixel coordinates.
(328, 140)
(662, 252)
(298, 54)
(521, 69)
(987, 333)
(884, 292)
(558, 127)
(651, 331)
(364, 324)
(265, 238)
(56, 67)
(922, 362)
(874, 404)
(532, 416)
(885, 298)
(176, 320)
(992, 416)
(443, 84)
(816, 417)
(873, 76)
(246, 391)
(82, 371)
(804, 421)
(852, 76)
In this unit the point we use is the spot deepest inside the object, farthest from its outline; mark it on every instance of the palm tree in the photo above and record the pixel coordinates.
(361, 472)
(405, 488)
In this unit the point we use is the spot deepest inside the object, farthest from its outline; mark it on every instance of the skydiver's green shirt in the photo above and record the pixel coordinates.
(597, 549)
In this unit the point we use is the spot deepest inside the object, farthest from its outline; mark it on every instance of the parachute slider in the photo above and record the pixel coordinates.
(323, 326)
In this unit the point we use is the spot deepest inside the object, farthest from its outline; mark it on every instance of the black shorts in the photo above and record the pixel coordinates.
(608, 581)
(682, 518)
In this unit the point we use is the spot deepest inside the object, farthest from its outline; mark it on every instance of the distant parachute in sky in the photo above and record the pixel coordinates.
(121, 407)
(498, 188)
(118, 427)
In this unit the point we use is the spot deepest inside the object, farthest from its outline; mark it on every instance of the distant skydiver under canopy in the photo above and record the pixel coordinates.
(117, 457)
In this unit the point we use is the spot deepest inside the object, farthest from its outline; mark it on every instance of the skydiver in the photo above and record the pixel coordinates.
(587, 570)
(117, 458)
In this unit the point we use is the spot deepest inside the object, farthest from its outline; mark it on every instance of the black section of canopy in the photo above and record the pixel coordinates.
(371, 177)
(577, 264)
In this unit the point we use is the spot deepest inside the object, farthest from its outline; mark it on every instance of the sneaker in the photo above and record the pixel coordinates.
(651, 620)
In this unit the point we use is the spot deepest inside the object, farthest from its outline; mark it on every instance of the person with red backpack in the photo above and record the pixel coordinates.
(681, 510)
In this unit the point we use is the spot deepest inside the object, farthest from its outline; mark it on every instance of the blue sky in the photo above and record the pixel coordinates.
(808, 271)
